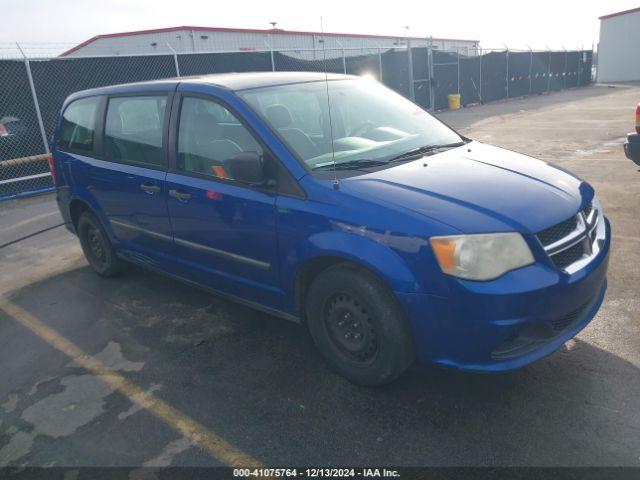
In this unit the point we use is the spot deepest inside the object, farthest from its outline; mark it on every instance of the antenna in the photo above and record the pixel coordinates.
(336, 183)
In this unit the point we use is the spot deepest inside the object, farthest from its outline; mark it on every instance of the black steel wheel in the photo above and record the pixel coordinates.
(358, 326)
(350, 328)
(97, 247)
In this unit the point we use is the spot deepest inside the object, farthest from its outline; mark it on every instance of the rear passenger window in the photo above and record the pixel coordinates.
(208, 136)
(78, 125)
(133, 130)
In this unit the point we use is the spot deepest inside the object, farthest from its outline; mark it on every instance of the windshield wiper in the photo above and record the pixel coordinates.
(351, 165)
(425, 150)
(367, 163)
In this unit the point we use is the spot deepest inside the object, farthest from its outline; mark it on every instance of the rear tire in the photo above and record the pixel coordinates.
(97, 247)
(358, 326)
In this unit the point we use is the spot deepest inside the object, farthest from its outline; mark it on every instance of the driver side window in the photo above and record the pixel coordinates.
(209, 136)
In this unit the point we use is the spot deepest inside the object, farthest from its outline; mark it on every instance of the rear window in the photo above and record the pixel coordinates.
(133, 130)
(78, 125)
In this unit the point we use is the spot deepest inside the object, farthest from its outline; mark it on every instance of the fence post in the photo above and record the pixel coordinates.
(549, 72)
(458, 61)
(580, 67)
(480, 81)
(412, 93)
(273, 62)
(507, 54)
(36, 104)
(175, 59)
(591, 76)
(564, 85)
(344, 60)
(430, 100)
(432, 74)
(530, 69)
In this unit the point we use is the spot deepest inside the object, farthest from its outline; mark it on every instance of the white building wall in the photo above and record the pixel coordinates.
(190, 41)
(618, 57)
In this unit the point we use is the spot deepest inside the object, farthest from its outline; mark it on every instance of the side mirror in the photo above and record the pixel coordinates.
(247, 167)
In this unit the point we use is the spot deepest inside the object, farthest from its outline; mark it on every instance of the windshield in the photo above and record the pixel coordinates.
(370, 122)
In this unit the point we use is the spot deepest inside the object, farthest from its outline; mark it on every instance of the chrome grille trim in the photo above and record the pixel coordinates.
(570, 240)
(596, 244)
(590, 231)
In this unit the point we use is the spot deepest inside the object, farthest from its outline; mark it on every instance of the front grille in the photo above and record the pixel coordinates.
(558, 231)
(578, 228)
(566, 257)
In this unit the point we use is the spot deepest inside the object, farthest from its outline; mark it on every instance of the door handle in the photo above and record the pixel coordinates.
(184, 196)
(150, 187)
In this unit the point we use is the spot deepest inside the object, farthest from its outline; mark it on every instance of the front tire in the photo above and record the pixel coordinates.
(358, 326)
(97, 247)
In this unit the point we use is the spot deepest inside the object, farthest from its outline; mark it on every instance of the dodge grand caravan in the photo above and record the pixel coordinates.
(341, 205)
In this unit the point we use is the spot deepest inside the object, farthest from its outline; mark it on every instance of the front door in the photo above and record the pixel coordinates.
(224, 231)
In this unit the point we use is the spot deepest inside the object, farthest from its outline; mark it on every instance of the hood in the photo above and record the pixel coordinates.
(478, 188)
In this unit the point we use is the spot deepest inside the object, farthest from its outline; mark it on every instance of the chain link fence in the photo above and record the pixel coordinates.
(35, 86)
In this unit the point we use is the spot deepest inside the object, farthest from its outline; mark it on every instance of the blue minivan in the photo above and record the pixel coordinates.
(338, 204)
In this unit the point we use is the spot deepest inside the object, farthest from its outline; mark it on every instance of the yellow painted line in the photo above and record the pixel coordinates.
(31, 219)
(178, 421)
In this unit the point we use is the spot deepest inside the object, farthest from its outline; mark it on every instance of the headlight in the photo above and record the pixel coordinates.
(481, 256)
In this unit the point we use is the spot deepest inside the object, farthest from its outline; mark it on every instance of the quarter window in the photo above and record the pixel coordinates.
(209, 136)
(133, 130)
(78, 125)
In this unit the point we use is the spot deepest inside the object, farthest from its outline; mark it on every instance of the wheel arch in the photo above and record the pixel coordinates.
(78, 205)
(334, 248)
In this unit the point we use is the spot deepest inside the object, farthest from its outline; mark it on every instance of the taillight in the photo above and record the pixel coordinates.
(52, 168)
(3, 130)
(638, 118)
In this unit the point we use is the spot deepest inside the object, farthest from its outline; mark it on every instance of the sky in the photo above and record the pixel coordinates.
(537, 24)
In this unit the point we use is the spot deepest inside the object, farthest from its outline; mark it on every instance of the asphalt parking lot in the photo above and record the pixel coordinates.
(142, 370)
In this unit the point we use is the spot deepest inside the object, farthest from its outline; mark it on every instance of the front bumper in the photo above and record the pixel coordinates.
(632, 147)
(510, 322)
